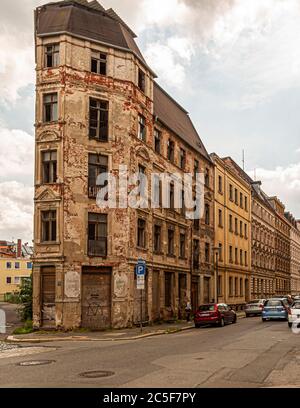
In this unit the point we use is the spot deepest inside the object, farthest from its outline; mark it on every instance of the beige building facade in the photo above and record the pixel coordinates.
(98, 107)
(232, 234)
(295, 254)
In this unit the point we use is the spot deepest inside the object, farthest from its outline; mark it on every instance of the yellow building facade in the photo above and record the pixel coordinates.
(12, 271)
(232, 234)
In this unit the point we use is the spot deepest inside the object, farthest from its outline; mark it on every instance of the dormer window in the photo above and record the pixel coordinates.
(99, 63)
(142, 80)
(52, 56)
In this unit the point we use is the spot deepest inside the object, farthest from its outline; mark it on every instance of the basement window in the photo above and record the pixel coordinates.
(52, 55)
(99, 120)
(99, 63)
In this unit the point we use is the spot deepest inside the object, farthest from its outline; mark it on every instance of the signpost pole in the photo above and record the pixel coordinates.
(141, 272)
(141, 311)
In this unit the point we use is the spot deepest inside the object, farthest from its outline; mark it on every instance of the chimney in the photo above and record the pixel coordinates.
(19, 248)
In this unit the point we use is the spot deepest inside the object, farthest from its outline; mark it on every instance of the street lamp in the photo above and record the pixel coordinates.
(217, 252)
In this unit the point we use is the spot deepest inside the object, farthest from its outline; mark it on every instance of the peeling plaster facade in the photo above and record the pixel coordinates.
(63, 269)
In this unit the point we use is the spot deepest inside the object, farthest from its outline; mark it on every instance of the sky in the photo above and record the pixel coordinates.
(234, 65)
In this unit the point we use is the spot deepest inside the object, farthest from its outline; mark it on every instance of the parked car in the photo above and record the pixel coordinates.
(275, 308)
(294, 314)
(216, 314)
(255, 307)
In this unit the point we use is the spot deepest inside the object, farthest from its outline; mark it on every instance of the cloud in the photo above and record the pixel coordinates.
(16, 211)
(283, 182)
(16, 155)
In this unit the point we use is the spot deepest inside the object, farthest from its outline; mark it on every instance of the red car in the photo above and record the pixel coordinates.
(217, 314)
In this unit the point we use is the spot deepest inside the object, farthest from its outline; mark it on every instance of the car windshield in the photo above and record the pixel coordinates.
(296, 305)
(206, 308)
(273, 303)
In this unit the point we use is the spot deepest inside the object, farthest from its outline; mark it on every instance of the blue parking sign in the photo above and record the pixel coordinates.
(141, 268)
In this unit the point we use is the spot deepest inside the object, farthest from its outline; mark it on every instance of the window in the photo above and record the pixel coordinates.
(99, 63)
(241, 257)
(236, 225)
(29, 265)
(236, 256)
(220, 218)
(236, 286)
(98, 165)
(171, 148)
(49, 166)
(241, 228)
(17, 265)
(241, 200)
(220, 289)
(97, 234)
(207, 252)
(206, 178)
(8, 280)
(157, 191)
(230, 223)
(182, 245)
(230, 192)
(196, 253)
(141, 237)
(142, 128)
(220, 252)
(8, 265)
(170, 242)
(50, 108)
(207, 214)
(241, 287)
(246, 231)
(17, 280)
(220, 184)
(142, 80)
(172, 196)
(157, 238)
(49, 226)
(157, 141)
(230, 286)
(246, 258)
(246, 203)
(51, 55)
(236, 196)
(99, 119)
(196, 168)
(182, 158)
(168, 289)
(230, 254)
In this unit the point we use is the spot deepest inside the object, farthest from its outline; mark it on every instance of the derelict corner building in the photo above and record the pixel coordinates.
(98, 107)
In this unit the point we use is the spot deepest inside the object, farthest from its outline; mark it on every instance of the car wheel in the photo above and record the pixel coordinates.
(234, 320)
(264, 320)
(197, 326)
(222, 323)
(290, 325)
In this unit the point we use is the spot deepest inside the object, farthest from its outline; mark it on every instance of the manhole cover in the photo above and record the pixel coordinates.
(97, 374)
(35, 363)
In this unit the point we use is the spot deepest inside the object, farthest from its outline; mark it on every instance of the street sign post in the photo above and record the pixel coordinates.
(140, 271)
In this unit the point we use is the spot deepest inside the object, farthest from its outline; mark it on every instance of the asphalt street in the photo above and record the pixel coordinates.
(248, 354)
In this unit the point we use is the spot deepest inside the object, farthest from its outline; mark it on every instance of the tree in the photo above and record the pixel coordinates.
(25, 296)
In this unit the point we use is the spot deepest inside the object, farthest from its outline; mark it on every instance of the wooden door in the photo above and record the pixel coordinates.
(48, 297)
(206, 297)
(155, 296)
(96, 298)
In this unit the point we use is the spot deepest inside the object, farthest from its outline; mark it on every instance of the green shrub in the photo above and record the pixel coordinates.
(25, 300)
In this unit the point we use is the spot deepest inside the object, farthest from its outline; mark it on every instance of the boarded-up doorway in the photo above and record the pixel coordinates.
(96, 298)
(48, 296)
(155, 296)
(206, 297)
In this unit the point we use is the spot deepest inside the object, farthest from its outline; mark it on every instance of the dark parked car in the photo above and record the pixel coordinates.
(255, 307)
(216, 314)
(275, 309)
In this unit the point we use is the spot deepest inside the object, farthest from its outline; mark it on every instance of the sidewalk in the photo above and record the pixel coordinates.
(107, 335)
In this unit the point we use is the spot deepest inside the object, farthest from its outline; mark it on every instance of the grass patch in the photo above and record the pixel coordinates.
(26, 329)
